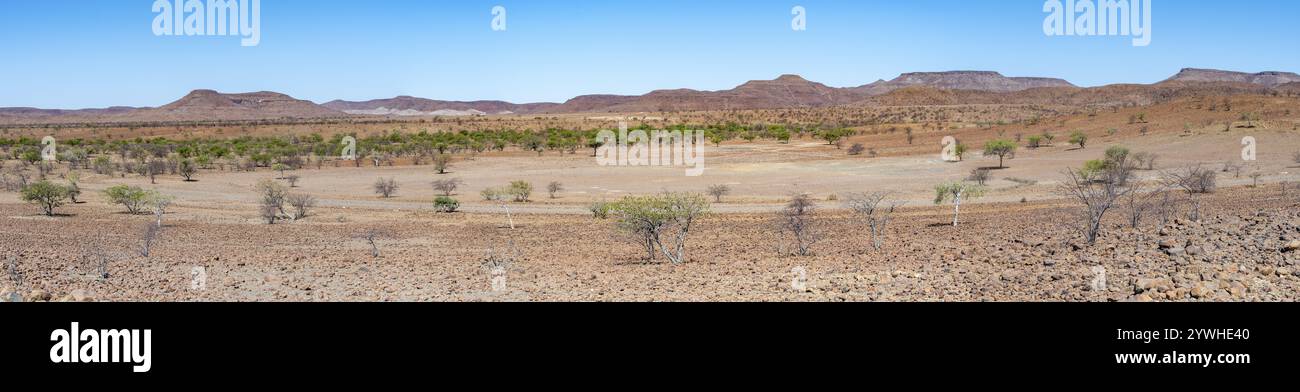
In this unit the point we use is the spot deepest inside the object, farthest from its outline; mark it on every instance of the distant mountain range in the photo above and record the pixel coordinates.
(786, 91)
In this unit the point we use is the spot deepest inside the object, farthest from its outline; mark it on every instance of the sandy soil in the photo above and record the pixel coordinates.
(1017, 244)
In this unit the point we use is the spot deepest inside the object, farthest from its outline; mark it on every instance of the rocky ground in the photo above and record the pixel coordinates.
(1246, 248)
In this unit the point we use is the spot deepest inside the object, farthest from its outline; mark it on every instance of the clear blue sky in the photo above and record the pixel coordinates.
(96, 53)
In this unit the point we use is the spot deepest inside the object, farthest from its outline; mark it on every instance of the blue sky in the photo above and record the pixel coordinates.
(96, 53)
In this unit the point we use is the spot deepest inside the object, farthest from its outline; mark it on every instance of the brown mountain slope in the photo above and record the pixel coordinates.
(1270, 78)
(208, 105)
(961, 80)
(792, 91)
(1112, 95)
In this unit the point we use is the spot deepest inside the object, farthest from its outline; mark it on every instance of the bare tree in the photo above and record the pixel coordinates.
(271, 205)
(447, 186)
(876, 211)
(1141, 202)
(980, 176)
(301, 203)
(1196, 181)
(798, 220)
(386, 187)
(1098, 192)
(718, 191)
(149, 236)
(1193, 179)
(160, 204)
(372, 237)
(13, 273)
(292, 179)
(1145, 160)
(554, 187)
(99, 258)
(497, 264)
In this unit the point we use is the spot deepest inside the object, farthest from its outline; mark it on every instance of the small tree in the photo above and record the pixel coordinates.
(876, 212)
(442, 163)
(956, 192)
(1001, 148)
(447, 186)
(302, 204)
(47, 195)
(1098, 192)
(292, 179)
(386, 187)
(147, 238)
(1079, 138)
(187, 170)
(74, 190)
(798, 219)
(718, 191)
(1049, 139)
(372, 237)
(521, 190)
(159, 204)
(554, 187)
(832, 136)
(280, 167)
(134, 198)
(1196, 181)
(272, 197)
(663, 222)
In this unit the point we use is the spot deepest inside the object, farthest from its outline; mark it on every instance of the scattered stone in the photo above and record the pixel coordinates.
(1291, 246)
(39, 295)
(1199, 292)
(81, 296)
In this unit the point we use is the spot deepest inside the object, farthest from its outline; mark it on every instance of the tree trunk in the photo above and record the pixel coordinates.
(956, 209)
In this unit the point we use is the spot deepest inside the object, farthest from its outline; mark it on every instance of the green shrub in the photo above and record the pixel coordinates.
(47, 195)
(445, 204)
(134, 198)
(521, 191)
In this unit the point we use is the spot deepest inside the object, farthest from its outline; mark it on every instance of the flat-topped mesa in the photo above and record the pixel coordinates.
(1267, 78)
(976, 80)
(413, 106)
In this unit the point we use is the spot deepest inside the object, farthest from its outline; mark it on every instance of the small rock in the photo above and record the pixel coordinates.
(1194, 250)
(81, 296)
(1168, 243)
(1142, 298)
(1199, 292)
(39, 295)
(1267, 270)
(1291, 246)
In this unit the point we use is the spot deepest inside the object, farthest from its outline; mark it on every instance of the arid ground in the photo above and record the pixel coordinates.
(1020, 242)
